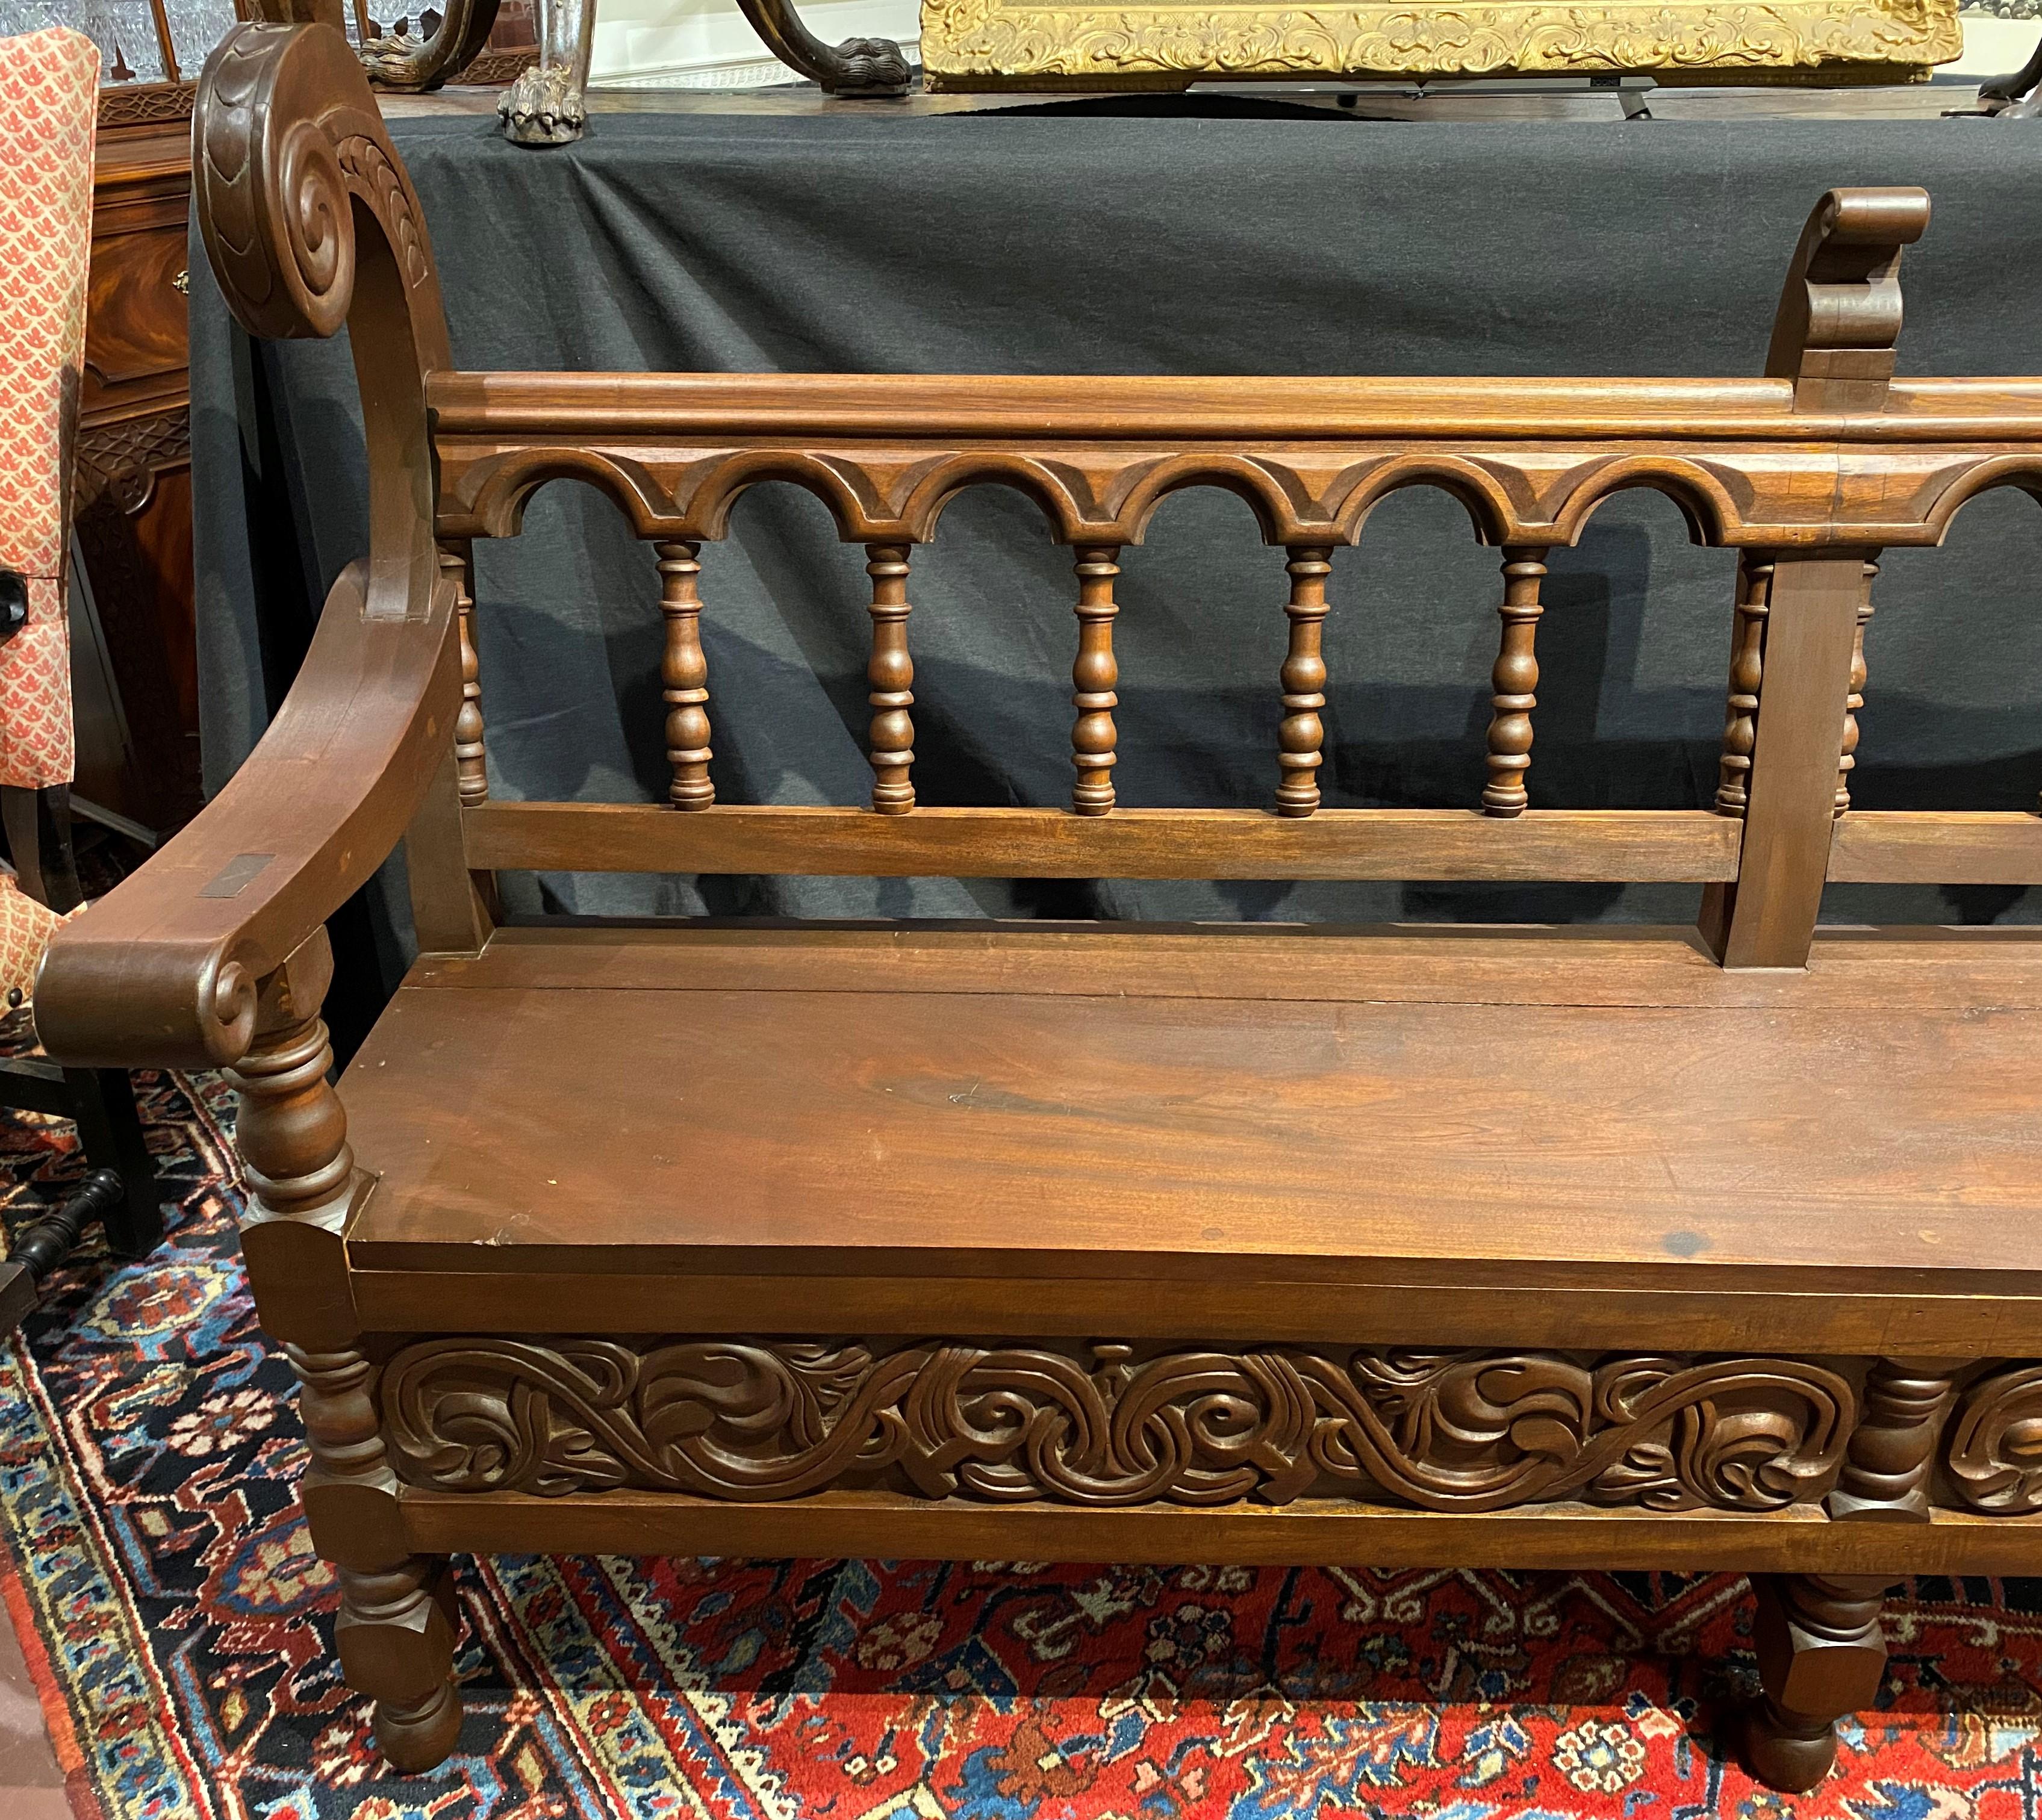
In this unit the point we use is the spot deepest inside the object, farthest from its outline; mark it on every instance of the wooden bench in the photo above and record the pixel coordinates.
(1681, 1248)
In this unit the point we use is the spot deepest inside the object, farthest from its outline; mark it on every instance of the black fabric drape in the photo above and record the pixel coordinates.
(968, 243)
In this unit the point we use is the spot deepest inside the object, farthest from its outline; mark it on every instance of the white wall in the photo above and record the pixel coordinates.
(1993, 46)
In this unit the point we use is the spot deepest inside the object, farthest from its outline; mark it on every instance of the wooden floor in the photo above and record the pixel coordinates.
(32, 1785)
(1599, 1109)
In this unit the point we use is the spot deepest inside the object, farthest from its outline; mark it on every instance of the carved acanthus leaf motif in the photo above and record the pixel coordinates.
(1995, 1449)
(365, 161)
(1446, 1431)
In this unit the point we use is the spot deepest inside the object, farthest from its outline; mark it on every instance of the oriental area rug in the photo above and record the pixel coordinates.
(179, 1628)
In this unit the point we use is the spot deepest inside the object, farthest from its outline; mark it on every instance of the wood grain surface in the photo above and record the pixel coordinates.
(813, 1124)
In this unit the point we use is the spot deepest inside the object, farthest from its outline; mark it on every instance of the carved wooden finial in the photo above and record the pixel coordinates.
(1303, 733)
(1514, 679)
(1747, 672)
(684, 677)
(1839, 313)
(891, 674)
(1092, 679)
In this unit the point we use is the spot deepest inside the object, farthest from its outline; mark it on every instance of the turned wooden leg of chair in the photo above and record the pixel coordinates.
(109, 1126)
(1820, 1657)
(395, 1636)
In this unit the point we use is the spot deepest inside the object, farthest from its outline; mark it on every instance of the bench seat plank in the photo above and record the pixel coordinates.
(1110, 1131)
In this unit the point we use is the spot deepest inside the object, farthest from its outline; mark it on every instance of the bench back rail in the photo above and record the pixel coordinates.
(1807, 472)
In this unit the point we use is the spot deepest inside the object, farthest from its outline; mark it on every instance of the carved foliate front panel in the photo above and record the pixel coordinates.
(1457, 1431)
(1995, 1444)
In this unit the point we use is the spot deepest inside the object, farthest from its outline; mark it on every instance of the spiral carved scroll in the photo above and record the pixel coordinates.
(1995, 1452)
(290, 144)
(757, 1421)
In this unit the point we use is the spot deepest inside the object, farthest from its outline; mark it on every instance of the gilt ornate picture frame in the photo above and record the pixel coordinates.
(1052, 44)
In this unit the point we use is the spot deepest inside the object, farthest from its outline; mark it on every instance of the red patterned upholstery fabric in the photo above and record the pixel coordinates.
(25, 929)
(49, 98)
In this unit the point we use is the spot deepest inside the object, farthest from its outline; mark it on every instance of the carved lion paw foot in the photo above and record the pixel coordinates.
(872, 66)
(396, 61)
(543, 107)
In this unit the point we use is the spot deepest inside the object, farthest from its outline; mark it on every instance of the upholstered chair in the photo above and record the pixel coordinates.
(49, 91)
(49, 101)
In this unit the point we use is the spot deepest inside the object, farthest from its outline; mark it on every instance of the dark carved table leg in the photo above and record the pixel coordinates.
(2013, 97)
(397, 1621)
(109, 1127)
(859, 68)
(1820, 1657)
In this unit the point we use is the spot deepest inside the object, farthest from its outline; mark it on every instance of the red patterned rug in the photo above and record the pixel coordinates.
(179, 1630)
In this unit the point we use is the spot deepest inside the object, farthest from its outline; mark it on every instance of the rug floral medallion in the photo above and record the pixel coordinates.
(180, 1631)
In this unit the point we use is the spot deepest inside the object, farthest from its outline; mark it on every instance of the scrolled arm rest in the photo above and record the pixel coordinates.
(310, 220)
(164, 970)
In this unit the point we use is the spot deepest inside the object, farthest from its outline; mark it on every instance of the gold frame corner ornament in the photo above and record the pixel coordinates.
(999, 43)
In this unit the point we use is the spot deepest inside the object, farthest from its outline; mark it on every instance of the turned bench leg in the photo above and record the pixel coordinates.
(395, 1637)
(1820, 1657)
(398, 1622)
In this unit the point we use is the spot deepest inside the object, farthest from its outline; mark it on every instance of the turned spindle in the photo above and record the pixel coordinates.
(1892, 1454)
(891, 674)
(470, 765)
(396, 1629)
(684, 677)
(1514, 679)
(1301, 737)
(1093, 677)
(1847, 763)
(1747, 671)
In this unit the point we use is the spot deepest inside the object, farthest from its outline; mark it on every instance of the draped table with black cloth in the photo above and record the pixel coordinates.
(1012, 243)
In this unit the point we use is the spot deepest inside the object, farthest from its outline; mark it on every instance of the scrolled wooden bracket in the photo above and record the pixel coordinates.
(286, 135)
(1840, 310)
(858, 69)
